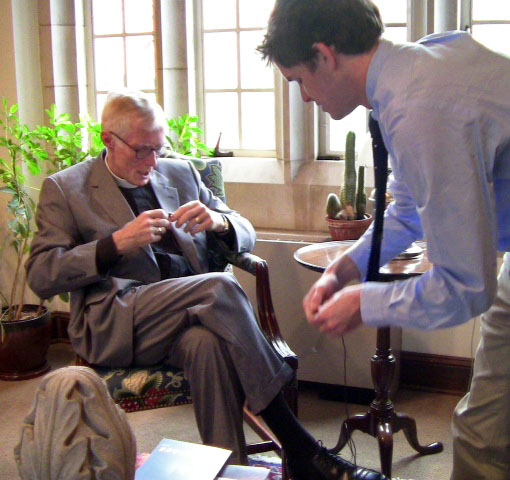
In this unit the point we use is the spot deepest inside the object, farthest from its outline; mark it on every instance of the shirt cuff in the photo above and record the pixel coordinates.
(359, 255)
(228, 236)
(372, 296)
(106, 255)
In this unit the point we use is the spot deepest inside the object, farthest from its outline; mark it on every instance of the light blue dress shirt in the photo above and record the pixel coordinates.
(443, 106)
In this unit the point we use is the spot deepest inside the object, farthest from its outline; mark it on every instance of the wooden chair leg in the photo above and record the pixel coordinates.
(269, 441)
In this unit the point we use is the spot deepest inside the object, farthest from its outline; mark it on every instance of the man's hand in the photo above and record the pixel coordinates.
(147, 228)
(330, 307)
(196, 217)
(321, 290)
(341, 313)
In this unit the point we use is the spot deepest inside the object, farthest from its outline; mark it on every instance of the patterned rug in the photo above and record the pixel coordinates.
(273, 463)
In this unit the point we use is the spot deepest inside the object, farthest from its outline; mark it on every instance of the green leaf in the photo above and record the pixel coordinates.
(8, 190)
(64, 297)
(68, 127)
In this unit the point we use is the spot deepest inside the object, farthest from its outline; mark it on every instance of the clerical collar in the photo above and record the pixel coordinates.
(119, 181)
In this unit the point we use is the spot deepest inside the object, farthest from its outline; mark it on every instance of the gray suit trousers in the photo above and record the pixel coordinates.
(481, 421)
(206, 325)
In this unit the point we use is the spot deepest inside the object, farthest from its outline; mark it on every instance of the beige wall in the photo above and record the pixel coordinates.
(8, 75)
(8, 90)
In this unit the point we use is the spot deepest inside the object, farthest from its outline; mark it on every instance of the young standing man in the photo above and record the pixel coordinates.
(443, 107)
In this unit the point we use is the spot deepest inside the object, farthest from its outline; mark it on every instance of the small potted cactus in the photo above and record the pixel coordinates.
(346, 213)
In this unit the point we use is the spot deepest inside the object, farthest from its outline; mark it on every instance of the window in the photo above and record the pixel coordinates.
(123, 44)
(332, 133)
(240, 96)
(490, 24)
(238, 87)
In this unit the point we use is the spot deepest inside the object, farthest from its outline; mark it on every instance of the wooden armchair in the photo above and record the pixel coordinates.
(143, 388)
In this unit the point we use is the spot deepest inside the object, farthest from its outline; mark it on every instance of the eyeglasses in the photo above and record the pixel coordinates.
(145, 150)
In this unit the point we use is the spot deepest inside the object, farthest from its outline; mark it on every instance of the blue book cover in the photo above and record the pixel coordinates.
(176, 460)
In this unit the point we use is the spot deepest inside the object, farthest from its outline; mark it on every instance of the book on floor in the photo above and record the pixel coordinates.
(242, 472)
(176, 460)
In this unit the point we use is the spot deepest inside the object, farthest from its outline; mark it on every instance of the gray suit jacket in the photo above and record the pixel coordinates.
(82, 204)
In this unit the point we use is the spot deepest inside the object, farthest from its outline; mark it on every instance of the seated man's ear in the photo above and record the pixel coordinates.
(107, 139)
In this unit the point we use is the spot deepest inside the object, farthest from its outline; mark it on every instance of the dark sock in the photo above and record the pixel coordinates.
(288, 430)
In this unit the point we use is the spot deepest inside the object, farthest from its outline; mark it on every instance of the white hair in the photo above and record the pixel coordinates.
(125, 106)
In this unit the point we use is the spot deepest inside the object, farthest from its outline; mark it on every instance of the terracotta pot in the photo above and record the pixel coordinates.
(348, 229)
(25, 346)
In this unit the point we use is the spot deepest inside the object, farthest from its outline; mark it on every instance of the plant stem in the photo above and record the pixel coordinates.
(40, 307)
(15, 284)
(184, 129)
(21, 303)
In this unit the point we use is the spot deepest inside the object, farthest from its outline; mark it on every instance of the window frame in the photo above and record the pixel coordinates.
(313, 137)
(466, 17)
(92, 91)
(196, 53)
(467, 22)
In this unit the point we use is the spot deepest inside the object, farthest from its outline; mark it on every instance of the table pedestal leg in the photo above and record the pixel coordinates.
(381, 421)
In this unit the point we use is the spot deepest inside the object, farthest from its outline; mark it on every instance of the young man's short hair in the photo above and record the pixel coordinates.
(350, 26)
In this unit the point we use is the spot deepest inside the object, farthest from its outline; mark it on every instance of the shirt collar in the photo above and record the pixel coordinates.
(119, 181)
(375, 68)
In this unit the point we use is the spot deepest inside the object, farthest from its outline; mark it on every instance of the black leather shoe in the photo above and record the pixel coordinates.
(333, 467)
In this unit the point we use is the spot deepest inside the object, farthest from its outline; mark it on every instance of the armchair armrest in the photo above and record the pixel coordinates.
(268, 323)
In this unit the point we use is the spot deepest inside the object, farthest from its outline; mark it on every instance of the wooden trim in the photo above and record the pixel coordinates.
(339, 393)
(418, 371)
(436, 373)
(59, 324)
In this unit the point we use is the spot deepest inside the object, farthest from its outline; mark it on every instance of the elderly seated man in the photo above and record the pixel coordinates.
(127, 233)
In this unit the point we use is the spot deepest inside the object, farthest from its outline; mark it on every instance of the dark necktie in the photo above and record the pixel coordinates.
(381, 175)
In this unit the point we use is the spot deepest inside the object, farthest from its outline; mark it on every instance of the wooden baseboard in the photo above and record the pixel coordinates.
(418, 371)
(437, 373)
(339, 393)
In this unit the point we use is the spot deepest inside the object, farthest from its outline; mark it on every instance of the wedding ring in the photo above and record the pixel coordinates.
(197, 220)
(161, 230)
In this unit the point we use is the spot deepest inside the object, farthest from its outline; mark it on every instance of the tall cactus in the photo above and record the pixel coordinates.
(348, 192)
(349, 205)
(361, 196)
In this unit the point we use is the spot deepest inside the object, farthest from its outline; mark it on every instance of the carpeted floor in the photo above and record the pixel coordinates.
(432, 412)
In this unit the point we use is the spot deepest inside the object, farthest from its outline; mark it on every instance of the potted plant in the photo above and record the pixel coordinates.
(67, 143)
(185, 138)
(346, 213)
(25, 327)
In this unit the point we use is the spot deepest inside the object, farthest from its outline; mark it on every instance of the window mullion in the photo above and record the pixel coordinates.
(466, 17)
(90, 60)
(239, 103)
(198, 36)
(417, 19)
(445, 15)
